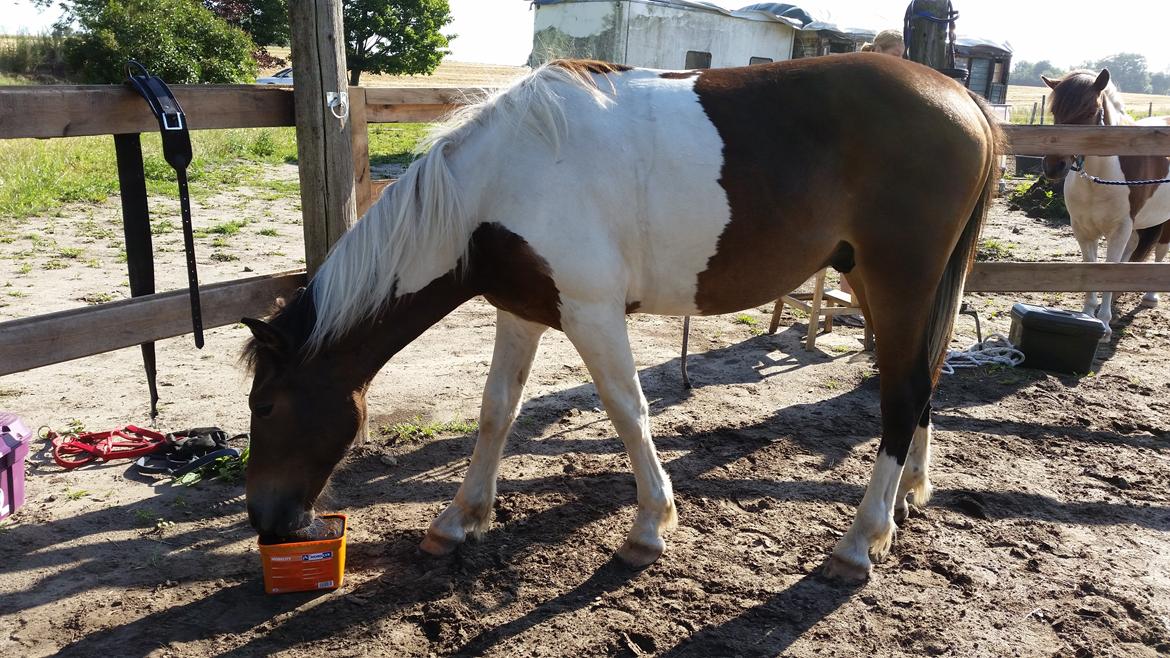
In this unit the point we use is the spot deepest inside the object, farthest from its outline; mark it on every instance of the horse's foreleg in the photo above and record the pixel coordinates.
(598, 331)
(1115, 250)
(1089, 255)
(471, 510)
(915, 483)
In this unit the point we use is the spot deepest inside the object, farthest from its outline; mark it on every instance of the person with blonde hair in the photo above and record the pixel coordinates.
(887, 42)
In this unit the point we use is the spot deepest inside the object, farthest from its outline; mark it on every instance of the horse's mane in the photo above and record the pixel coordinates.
(1075, 98)
(421, 220)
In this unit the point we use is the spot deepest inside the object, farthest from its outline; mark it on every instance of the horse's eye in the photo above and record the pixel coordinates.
(263, 410)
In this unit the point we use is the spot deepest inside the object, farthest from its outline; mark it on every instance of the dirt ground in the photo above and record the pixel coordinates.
(1049, 532)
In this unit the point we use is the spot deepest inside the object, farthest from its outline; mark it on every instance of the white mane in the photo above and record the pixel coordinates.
(422, 222)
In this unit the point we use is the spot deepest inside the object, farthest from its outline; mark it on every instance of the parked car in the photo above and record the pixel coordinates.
(281, 77)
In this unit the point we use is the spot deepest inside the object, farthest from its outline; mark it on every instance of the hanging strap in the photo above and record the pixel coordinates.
(176, 141)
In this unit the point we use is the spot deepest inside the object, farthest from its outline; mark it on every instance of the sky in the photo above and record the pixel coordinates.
(1067, 32)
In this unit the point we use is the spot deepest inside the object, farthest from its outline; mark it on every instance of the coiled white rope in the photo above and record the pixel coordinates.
(996, 350)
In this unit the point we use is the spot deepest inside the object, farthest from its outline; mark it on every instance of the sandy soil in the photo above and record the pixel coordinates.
(1048, 534)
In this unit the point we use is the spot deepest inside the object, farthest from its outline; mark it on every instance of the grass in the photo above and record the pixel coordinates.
(991, 249)
(41, 176)
(269, 232)
(76, 494)
(231, 227)
(416, 430)
(395, 143)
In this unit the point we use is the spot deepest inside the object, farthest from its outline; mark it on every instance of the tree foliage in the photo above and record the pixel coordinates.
(1160, 83)
(266, 21)
(181, 41)
(1128, 71)
(1028, 74)
(395, 37)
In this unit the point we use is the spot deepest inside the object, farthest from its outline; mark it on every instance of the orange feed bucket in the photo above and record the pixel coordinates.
(305, 566)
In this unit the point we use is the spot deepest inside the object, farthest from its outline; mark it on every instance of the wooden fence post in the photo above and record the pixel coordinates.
(324, 153)
(324, 134)
(929, 39)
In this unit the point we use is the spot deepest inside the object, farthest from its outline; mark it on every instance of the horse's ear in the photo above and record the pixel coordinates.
(268, 336)
(1102, 80)
(1050, 82)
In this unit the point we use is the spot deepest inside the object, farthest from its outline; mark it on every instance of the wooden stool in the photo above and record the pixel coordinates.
(819, 302)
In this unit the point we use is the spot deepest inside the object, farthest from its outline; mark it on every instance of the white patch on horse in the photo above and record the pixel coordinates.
(646, 210)
(420, 229)
(915, 482)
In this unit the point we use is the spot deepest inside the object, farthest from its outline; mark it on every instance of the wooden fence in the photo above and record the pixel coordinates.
(70, 111)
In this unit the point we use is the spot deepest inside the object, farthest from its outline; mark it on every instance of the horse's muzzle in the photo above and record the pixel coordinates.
(1055, 167)
(277, 518)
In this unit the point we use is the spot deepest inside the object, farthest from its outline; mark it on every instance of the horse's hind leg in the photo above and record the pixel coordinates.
(598, 331)
(915, 483)
(471, 510)
(899, 311)
(1151, 299)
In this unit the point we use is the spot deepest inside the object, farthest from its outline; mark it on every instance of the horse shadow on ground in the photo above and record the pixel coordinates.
(407, 578)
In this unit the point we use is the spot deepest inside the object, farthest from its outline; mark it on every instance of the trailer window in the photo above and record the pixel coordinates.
(697, 59)
(759, 60)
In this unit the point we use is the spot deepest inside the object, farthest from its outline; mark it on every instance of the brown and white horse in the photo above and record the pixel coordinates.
(1130, 218)
(587, 191)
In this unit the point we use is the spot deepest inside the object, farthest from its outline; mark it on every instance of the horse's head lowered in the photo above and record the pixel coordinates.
(306, 411)
(1076, 100)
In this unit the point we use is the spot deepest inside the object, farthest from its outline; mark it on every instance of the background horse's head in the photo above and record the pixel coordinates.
(306, 411)
(1076, 100)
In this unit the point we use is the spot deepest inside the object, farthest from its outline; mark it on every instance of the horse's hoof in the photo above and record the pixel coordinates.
(638, 555)
(1106, 338)
(1149, 302)
(437, 546)
(838, 568)
(901, 511)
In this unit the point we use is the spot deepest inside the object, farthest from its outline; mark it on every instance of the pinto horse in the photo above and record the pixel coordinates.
(1131, 218)
(587, 191)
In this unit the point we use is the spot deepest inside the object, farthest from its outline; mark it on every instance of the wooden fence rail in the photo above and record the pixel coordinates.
(72, 111)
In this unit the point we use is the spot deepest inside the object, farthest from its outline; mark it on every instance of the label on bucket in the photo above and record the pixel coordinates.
(324, 583)
(317, 557)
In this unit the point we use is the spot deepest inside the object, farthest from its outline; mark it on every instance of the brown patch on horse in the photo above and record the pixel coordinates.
(590, 66)
(1142, 167)
(512, 276)
(678, 75)
(789, 158)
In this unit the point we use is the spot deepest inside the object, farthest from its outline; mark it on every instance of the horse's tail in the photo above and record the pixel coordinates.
(1147, 238)
(950, 287)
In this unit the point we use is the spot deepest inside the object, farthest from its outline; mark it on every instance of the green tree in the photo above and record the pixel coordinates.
(266, 21)
(181, 41)
(394, 36)
(1160, 83)
(1127, 70)
(1028, 74)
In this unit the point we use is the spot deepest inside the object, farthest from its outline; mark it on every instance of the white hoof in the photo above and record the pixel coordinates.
(1150, 300)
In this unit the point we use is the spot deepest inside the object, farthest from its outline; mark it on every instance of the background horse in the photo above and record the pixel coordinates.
(1124, 215)
(587, 191)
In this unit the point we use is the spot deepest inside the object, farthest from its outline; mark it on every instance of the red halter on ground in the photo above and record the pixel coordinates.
(130, 442)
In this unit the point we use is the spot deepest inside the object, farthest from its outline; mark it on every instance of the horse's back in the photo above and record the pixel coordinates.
(718, 189)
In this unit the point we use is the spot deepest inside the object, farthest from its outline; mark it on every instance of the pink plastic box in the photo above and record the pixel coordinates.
(14, 435)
